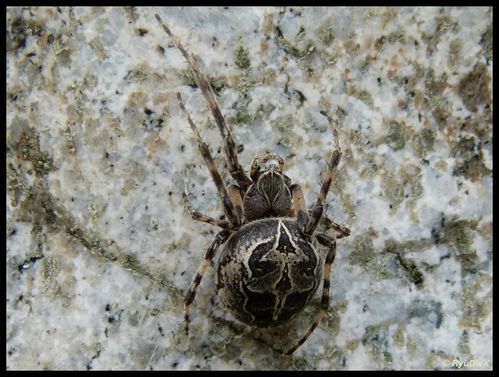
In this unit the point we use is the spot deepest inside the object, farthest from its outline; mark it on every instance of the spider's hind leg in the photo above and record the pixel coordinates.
(331, 244)
(191, 293)
(342, 230)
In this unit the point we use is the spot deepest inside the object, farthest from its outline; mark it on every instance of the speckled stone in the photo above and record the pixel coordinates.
(100, 249)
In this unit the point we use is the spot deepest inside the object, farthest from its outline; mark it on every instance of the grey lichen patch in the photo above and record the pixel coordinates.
(43, 163)
(334, 354)
(333, 317)
(486, 230)
(16, 93)
(76, 110)
(341, 114)
(98, 48)
(283, 124)
(349, 205)
(474, 88)
(242, 59)
(326, 34)
(131, 13)
(393, 190)
(136, 75)
(464, 343)
(455, 47)
(19, 30)
(413, 187)
(242, 117)
(15, 185)
(473, 168)
(366, 97)
(444, 24)
(69, 141)
(188, 78)
(441, 113)
(49, 268)
(476, 305)
(352, 345)
(410, 270)
(480, 127)
(294, 50)
(300, 363)
(434, 86)
(397, 135)
(458, 234)
(36, 206)
(371, 168)
(428, 311)
(363, 250)
(129, 185)
(246, 84)
(408, 267)
(433, 98)
(269, 77)
(438, 360)
(467, 151)
(487, 43)
(394, 37)
(399, 336)
(24, 140)
(325, 104)
(376, 340)
(423, 142)
(62, 51)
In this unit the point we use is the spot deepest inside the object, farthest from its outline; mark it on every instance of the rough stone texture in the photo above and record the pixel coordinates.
(100, 250)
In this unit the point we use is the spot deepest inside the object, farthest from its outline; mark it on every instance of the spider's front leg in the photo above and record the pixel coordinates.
(236, 196)
(299, 206)
(191, 293)
(318, 208)
(235, 169)
(229, 209)
(200, 217)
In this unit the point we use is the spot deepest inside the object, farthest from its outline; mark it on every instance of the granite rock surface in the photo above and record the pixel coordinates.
(100, 249)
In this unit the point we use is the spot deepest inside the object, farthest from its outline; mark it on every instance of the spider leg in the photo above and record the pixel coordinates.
(229, 209)
(236, 171)
(191, 293)
(341, 229)
(239, 329)
(318, 208)
(237, 198)
(200, 217)
(299, 206)
(331, 244)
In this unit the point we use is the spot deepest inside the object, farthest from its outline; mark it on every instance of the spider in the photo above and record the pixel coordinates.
(269, 267)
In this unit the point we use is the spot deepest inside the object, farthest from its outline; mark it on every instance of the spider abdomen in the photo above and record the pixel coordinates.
(267, 272)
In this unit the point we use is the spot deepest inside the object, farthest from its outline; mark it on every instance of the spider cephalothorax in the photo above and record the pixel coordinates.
(269, 195)
(270, 265)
